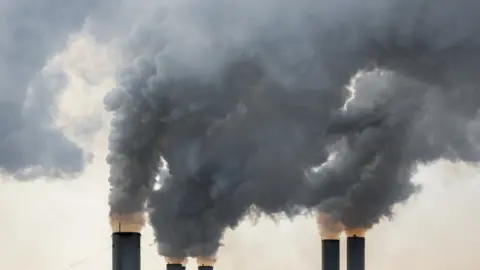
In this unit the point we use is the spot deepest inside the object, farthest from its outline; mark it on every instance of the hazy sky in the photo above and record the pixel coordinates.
(52, 225)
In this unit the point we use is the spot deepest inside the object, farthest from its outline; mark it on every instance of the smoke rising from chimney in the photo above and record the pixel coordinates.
(251, 112)
(328, 227)
(356, 232)
(127, 223)
(206, 261)
(171, 260)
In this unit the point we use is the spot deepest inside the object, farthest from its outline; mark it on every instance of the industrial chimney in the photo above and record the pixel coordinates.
(206, 263)
(126, 240)
(330, 231)
(176, 263)
(355, 249)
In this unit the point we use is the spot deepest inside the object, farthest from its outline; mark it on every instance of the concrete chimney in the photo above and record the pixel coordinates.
(355, 249)
(126, 241)
(126, 251)
(175, 263)
(175, 266)
(330, 254)
(206, 263)
(329, 230)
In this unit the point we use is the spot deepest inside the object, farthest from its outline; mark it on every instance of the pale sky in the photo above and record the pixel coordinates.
(49, 225)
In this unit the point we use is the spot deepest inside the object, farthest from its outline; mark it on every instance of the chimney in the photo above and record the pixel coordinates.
(126, 251)
(126, 241)
(329, 230)
(330, 254)
(175, 263)
(206, 263)
(355, 249)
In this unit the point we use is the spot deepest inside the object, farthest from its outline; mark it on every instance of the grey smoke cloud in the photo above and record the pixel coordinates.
(422, 126)
(243, 98)
(31, 34)
(377, 163)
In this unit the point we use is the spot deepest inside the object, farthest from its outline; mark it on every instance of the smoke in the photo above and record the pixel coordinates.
(30, 142)
(245, 101)
(327, 228)
(422, 126)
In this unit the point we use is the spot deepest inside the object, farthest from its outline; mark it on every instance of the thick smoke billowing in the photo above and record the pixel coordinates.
(31, 145)
(31, 34)
(246, 101)
(424, 124)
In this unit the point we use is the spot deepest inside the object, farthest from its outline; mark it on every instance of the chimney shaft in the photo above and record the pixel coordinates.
(206, 263)
(175, 266)
(126, 251)
(356, 252)
(330, 254)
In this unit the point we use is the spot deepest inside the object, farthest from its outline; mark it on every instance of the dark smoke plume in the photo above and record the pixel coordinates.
(32, 33)
(245, 100)
(422, 125)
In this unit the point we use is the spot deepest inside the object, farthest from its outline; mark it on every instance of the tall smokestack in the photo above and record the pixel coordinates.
(355, 249)
(206, 263)
(126, 240)
(330, 232)
(176, 263)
